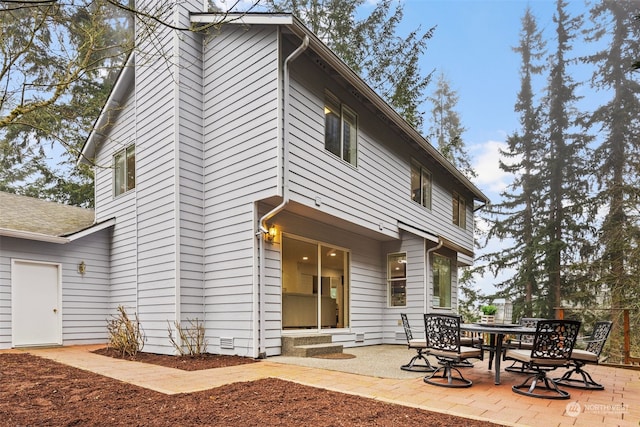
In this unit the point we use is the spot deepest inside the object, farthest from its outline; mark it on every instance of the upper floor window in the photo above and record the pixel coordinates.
(124, 170)
(420, 185)
(397, 279)
(341, 129)
(459, 211)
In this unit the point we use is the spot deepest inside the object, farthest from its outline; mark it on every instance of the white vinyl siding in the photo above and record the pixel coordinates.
(191, 180)
(85, 297)
(374, 195)
(241, 162)
(123, 254)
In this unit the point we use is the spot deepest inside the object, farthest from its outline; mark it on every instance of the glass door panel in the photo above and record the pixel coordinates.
(315, 289)
(334, 299)
(299, 284)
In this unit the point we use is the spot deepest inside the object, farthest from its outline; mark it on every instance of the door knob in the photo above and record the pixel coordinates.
(55, 310)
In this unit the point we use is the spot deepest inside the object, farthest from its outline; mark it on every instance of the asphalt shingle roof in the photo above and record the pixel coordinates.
(21, 213)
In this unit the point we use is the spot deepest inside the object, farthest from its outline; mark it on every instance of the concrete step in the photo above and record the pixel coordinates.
(291, 341)
(309, 345)
(311, 350)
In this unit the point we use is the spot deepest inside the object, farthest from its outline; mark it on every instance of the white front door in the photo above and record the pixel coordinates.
(36, 317)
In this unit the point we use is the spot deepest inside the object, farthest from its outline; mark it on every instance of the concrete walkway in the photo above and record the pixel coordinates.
(379, 377)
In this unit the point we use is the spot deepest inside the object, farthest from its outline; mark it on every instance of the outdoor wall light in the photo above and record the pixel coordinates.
(82, 267)
(271, 234)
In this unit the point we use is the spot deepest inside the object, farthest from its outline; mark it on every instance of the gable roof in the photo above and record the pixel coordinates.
(359, 88)
(31, 218)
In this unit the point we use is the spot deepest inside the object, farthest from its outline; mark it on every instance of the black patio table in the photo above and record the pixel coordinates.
(497, 332)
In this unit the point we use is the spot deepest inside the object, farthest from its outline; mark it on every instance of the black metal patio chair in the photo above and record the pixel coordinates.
(442, 332)
(523, 342)
(591, 354)
(420, 346)
(551, 349)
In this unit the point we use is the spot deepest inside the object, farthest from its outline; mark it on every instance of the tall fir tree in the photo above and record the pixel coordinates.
(446, 133)
(446, 127)
(55, 78)
(616, 161)
(371, 46)
(565, 167)
(515, 219)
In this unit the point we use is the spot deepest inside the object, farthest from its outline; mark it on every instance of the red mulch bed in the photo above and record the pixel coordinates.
(39, 392)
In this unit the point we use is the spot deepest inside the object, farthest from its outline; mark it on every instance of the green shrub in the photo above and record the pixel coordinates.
(489, 310)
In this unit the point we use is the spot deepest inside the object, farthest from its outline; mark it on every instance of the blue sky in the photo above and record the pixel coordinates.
(472, 45)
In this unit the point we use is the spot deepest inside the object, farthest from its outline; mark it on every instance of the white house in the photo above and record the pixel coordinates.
(255, 182)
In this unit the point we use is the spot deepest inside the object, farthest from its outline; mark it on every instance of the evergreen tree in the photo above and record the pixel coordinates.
(565, 168)
(446, 132)
(616, 163)
(58, 63)
(446, 127)
(55, 78)
(371, 47)
(515, 218)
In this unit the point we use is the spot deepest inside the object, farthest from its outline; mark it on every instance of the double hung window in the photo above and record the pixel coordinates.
(397, 279)
(124, 170)
(420, 185)
(341, 130)
(459, 211)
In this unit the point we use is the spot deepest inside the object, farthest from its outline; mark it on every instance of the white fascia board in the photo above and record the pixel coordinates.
(241, 18)
(118, 92)
(28, 235)
(93, 229)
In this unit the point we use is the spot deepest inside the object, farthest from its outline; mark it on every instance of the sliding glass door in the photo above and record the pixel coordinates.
(315, 285)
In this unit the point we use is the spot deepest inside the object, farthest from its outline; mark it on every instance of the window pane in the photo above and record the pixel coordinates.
(398, 293)
(456, 210)
(426, 189)
(299, 284)
(416, 188)
(462, 213)
(441, 281)
(119, 172)
(397, 273)
(131, 168)
(331, 131)
(349, 138)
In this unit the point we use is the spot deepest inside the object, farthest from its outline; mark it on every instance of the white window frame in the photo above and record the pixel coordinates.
(393, 282)
(423, 175)
(348, 118)
(121, 161)
(459, 207)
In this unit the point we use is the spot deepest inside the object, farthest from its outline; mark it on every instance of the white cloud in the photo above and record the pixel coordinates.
(490, 177)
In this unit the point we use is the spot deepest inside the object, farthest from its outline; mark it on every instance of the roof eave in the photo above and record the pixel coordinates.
(118, 93)
(29, 235)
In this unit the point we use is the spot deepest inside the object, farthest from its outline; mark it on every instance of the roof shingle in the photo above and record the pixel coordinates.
(21, 213)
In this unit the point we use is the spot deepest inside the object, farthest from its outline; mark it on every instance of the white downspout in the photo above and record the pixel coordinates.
(262, 224)
(426, 282)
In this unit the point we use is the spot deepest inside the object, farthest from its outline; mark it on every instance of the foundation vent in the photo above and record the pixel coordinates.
(360, 337)
(226, 343)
